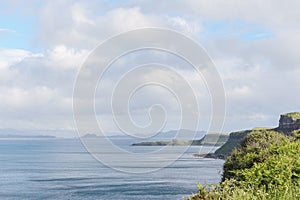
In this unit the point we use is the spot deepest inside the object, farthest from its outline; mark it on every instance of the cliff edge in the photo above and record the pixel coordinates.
(288, 123)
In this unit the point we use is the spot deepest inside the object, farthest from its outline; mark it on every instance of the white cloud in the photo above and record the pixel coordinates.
(64, 57)
(11, 56)
(261, 76)
(81, 26)
(185, 26)
(36, 89)
(4, 31)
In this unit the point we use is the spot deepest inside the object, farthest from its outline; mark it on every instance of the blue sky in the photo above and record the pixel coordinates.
(253, 44)
(235, 29)
(17, 31)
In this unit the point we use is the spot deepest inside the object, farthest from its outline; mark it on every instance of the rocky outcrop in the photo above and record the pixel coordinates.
(233, 141)
(288, 123)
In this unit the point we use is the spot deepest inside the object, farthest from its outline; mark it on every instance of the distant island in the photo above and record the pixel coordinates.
(162, 137)
(205, 140)
(90, 135)
(27, 136)
(35, 133)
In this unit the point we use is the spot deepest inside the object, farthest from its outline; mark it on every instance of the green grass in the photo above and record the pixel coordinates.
(231, 191)
(261, 128)
(293, 115)
(265, 166)
(233, 142)
(227, 148)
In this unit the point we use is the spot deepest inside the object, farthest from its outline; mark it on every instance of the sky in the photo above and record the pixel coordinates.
(43, 44)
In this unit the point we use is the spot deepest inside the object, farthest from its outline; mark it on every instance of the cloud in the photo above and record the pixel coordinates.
(254, 45)
(81, 26)
(11, 56)
(192, 28)
(36, 89)
(4, 32)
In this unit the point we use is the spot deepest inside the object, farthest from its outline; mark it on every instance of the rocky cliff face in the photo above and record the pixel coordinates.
(233, 141)
(288, 123)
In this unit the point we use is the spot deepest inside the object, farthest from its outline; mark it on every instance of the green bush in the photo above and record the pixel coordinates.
(293, 115)
(280, 169)
(253, 149)
(231, 190)
(296, 134)
(265, 166)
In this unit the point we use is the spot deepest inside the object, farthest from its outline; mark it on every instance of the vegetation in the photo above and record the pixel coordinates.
(227, 148)
(253, 149)
(261, 128)
(233, 142)
(232, 190)
(266, 165)
(296, 134)
(293, 115)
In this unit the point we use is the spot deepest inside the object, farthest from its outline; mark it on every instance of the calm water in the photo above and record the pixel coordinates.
(62, 169)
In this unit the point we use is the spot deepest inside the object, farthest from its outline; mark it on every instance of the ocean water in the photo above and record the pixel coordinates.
(62, 169)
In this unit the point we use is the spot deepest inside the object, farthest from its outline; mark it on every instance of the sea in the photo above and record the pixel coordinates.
(63, 169)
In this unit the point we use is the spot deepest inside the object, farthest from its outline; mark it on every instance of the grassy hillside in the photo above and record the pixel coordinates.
(265, 166)
(233, 141)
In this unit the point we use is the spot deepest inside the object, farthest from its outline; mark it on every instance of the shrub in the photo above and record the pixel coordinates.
(265, 166)
(253, 149)
(296, 134)
(231, 190)
(282, 168)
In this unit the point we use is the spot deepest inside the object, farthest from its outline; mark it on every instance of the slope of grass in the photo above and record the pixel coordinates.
(265, 166)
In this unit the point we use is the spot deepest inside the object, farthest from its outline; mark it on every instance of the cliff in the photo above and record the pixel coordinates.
(233, 141)
(288, 123)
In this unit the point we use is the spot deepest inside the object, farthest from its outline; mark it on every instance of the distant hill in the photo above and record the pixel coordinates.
(184, 135)
(27, 136)
(167, 135)
(21, 133)
(90, 135)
